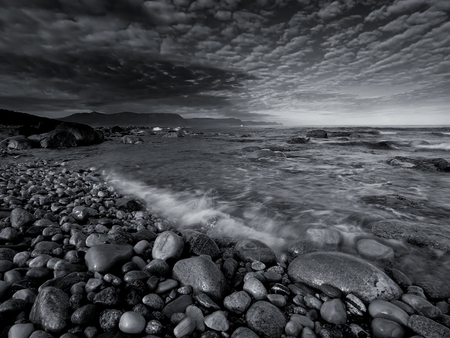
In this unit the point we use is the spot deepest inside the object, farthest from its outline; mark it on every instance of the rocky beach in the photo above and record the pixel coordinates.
(78, 258)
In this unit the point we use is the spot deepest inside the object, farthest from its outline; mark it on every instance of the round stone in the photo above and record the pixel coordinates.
(255, 288)
(266, 319)
(168, 245)
(202, 274)
(382, 309)
(347, 273)
(201, 244)
(385, 328)
(333, 311)
(109, 319)
(101, 258)
(217, 321)
(21, 330)
(371, 248)
(427, 327)
(249, 250)
(244, 332)
(132, 322)
(238, 302)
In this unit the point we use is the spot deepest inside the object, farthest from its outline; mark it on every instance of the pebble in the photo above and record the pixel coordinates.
(153, 327)
(167, 285)
(333, 311)
(21, 330)
(266, 319)
(373, 249)
(244, 332)
(238, 302)
(302, 320)
(312, 302)
(427, 327)
(385, 328)
(132, 322)
(421, 305)
(249, 250)
(20, 218)
(277, 300)
(51, 310)
(255, 288)
(158, 267)
(177, 305)
(107, 297)
(184, 327)
(217, 321)
(382, 309)
(167, 245)
(400, 278)
(258, 266)
(201, 244)
(84, 315)
(196, 315)
(109, 319)
(202, 274)
(101, 258)
(330, 291)
(308, 333)
(153, 301)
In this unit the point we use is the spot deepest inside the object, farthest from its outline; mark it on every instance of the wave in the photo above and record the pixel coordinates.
(198, 209)
(388, 132)
(439, 146)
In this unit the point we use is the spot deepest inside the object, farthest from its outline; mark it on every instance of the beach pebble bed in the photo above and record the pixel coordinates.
(78, 259)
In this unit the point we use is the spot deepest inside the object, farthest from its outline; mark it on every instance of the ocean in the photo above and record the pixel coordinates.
(251, 182)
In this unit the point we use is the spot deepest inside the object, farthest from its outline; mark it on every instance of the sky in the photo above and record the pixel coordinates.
(298, 62)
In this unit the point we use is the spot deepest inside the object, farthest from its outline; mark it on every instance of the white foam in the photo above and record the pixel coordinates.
(439, 146)
(189, 209)
(388, 132)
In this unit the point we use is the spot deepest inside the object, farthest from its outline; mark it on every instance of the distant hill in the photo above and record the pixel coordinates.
(95, 119)
(14, 118)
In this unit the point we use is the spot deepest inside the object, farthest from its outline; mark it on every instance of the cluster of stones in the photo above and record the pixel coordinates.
(77, 259)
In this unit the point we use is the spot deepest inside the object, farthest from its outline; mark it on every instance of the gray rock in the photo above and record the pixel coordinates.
(383, 309)
(202, 274)
(107, 297)
(58, 139)
(12, 305)
(84, 315)
(179, 304)
(317, 133)
(249, 250)
(266, 319)
(347, 273)
(109, 319)
(168, 245)
(333, 311)
(244, 332)
(217, 321)
(51, 310)
(382, 327)
(371, 248)
(131, 139)
(18, 142)
(101, 258)
(238, 302)
(20, 218)
(428, 327)
(421, 306)
(201, 244)
(434, 236)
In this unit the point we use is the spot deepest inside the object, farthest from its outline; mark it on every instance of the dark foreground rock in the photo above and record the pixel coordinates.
(318, 133)
(347, 273)
(266, 319)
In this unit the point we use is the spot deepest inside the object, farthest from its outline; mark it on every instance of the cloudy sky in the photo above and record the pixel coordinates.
(292, 61)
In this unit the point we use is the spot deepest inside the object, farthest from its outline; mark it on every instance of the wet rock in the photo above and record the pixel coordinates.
(200, 244)
(217, 321)
(18, 142)
(421, 306)
(427, 327)
(101, 258)
(333, 311)
(266, 319)
(347, 273)
(371, 248)
(229, 267)
(255, 288)
(383, 309)
(177, 305)
(168, 245)
(244, 332)
(249, 250)
(153, 301)
(298, 140)
(158, 267)
(84, 134)
(107, 297)
(202, 274)
(238, 302)
(20, 218)
(84, 315)
(435, 236)
(317, 133)
(196, 315)
(421, 163)
(184, 328)
(129, 204)
(21, 330)
(109, 319)
(132, 322)
(324, 237)
(12, 305)
(9, 234)
(382, 328)
(58, 139)
(51, 310)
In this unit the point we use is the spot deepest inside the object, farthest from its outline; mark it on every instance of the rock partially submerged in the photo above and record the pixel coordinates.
(347, 273)
(421, 163)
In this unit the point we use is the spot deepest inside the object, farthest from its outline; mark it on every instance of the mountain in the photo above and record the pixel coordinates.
(14, 118)
(95, 119)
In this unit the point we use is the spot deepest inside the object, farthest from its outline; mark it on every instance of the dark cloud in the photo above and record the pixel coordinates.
(286, 58)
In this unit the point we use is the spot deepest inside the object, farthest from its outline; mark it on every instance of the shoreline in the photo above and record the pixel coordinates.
(136, 284)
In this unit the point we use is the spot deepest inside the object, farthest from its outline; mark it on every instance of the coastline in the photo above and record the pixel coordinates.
(60, 214)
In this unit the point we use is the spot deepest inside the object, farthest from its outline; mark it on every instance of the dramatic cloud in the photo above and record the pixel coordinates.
(295, 61)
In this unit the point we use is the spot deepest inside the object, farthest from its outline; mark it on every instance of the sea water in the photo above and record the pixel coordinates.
(250, 182)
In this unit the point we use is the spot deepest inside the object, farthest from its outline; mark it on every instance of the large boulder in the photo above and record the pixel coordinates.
(84, 134)
(345, 272)
(58, 139)
(202, 275)
(18, 142)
